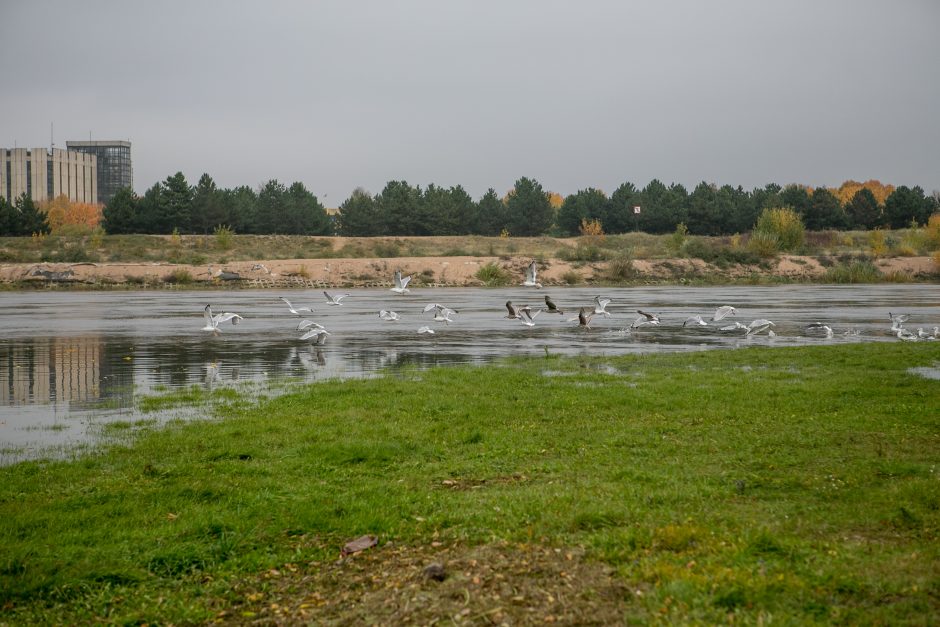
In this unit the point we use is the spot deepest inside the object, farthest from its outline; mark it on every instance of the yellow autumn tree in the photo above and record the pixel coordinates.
(846, 192)
(555, 200)
(63, 213)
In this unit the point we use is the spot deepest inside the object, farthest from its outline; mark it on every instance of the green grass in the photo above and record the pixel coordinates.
(795, 483)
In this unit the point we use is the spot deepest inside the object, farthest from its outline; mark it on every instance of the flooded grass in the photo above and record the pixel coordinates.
(807, 492)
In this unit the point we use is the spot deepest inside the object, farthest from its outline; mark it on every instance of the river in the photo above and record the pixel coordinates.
(73, 362)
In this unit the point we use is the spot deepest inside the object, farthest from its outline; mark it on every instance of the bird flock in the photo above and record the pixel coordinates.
(526, 315)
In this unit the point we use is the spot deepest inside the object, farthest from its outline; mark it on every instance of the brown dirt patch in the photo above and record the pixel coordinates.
(494, 584)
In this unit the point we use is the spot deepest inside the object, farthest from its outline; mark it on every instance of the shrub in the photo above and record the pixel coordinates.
(785, 223)
(678, 238)
(493, 275)
(582, 252)
(722, 256)
(621, 269)
(387, 250)
(932, 232)
(855, 272)
(179, 277)
(224, 237)
(763, 244)
(877, 246)
(572, 277)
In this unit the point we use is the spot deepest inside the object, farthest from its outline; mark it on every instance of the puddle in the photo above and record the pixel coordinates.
(927, 372)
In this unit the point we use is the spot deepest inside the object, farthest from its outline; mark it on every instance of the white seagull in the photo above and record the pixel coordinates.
(318, 335)
(527, 318)
(213, 322)
(898, 319)
(818, 328)
(644, 318)
(441, 313)
(296, 311)
(401, 283)
(734, 327)
(696, 320)
(308, 323)
(759, 325)
(334, 300)
(723, 311)
(389, 316)
(426, 330)
(600, 306)
(905, 335)
(531, 272)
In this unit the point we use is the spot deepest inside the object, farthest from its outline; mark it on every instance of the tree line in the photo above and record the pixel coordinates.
(400, 209)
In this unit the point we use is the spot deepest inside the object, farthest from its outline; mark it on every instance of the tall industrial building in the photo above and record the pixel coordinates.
(44, 175)
(114, 165)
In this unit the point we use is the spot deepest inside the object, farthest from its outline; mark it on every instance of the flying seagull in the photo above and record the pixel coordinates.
(296, 311)
(758, 325)
(645, 318)
(441, 313)
(213, 322)
(318, 335)
(308, 323)
(552, 307)
(426, 330)
(527, 318)
(600, 306)
(695, 320)
(722, 312)
(531, 272)
(584, 317)
(334, 300)
(513, 311)
(388, 316)
(401, 283)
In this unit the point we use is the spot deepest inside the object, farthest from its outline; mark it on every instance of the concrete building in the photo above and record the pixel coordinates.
(115, 169)
(44, 175)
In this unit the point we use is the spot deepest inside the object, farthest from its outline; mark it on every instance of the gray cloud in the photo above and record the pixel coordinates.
(346, 94)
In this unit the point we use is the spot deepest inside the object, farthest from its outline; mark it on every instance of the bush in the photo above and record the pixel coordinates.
(179, 277)
(877, 246)
(493, 275)
(387, 250)
(678, 238)
(932, 232)
(855, 272)
(785, 223)
(621, 269)
(721, 256)
(582, 252)
(572, 277)
(224, 237)
(763, 244)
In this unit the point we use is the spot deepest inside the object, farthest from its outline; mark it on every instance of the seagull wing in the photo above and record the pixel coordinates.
(530, 272)
(405, 281)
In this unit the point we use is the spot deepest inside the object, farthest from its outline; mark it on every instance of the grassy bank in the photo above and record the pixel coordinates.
(796, 484)
(209, 249)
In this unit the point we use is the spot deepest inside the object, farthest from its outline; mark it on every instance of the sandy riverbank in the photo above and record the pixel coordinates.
(442, 271)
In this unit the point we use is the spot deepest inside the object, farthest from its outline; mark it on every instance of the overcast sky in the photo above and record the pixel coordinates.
(343, 94)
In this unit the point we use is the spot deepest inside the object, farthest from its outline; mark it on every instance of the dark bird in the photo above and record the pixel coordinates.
(552, 307)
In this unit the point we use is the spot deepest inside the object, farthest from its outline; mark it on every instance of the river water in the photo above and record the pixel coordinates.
(73, 362)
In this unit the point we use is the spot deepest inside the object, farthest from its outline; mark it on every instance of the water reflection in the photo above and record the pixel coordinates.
(72, 361)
